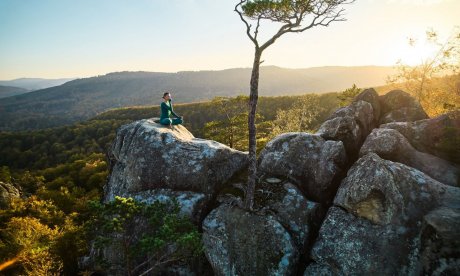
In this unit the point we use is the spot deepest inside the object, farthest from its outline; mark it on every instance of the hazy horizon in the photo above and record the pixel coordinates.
(201, 70)
(77, 39)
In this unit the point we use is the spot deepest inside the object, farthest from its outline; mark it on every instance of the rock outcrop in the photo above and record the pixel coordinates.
(7, 193)
(399, 106)
(311, 162)
(375, 190)
(238, 242)
(150, 162)
(380, 207)
(438, 136)
(392, 145)
(386, 192)
(350, 125)
(146, 156)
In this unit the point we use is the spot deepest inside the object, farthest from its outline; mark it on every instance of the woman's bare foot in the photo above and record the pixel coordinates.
(170, 126)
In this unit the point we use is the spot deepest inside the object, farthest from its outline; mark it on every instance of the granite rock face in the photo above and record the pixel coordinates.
(380, 208)
(238, 242)
(399, 106)
(440, 242)
(146, 156)
(392, 145)
(386, 192)
(311, 162)
(370, 95)
(7, 193)
(439, 136)
(150, 162)
(351, 125)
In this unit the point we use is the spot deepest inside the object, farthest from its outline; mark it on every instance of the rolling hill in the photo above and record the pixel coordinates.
(8, 91)
(81, 99)
(34, 83)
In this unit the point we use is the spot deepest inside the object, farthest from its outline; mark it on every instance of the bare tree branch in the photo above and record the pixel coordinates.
(248, 27)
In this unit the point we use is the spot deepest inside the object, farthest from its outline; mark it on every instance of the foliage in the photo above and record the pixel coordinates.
(347, 96)
(31, 243)
(435, 82)
(301, 117)
(167, 236)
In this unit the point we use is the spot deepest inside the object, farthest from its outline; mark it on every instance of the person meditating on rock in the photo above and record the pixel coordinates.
(167, 110)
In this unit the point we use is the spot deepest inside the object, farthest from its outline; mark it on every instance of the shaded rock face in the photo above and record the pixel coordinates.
(349, 245)
(286, 203)
(146, 155)
(370, 95)
(438, 136)
(392, 145)
(312, 163)
(7, 193)
(241, 243)
(440, 242)
(399, 106)
(379, 209)
(351, 125)
(387, 192)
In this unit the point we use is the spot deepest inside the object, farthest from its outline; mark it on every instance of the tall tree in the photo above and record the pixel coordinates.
(295, 16)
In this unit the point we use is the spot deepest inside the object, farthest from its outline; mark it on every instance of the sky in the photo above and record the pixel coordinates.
(70, 38)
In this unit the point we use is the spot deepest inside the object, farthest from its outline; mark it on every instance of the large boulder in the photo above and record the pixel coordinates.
(312, 163)
(146, 155)
(392, 145)
(439, 136)
(379, 209)
(350, 245)
(238, 242)
(351, 125)
(399, 106)
(7, 193)
(387, 192)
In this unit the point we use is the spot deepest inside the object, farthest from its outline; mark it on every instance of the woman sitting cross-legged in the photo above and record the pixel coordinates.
(167, 110)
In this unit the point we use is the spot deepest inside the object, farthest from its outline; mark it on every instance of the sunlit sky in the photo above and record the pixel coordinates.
(81, 38)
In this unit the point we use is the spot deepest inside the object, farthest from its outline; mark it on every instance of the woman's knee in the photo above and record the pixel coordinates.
(177, 121)
(165, 121)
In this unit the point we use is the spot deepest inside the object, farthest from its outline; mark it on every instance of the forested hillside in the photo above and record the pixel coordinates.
(82, 99)
(8, 91)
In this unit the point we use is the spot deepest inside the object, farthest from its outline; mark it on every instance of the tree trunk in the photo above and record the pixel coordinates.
(253, 96)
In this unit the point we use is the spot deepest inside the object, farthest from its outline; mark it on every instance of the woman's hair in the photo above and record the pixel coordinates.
(164, 94)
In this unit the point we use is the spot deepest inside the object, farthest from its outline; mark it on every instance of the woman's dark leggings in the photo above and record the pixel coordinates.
(169, 121)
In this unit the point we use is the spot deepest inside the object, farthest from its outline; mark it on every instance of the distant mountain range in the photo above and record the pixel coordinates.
(31, 84)
(81, 99)
(8, 91)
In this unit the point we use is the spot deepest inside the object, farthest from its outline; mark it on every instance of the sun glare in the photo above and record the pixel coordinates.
(414, 52)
